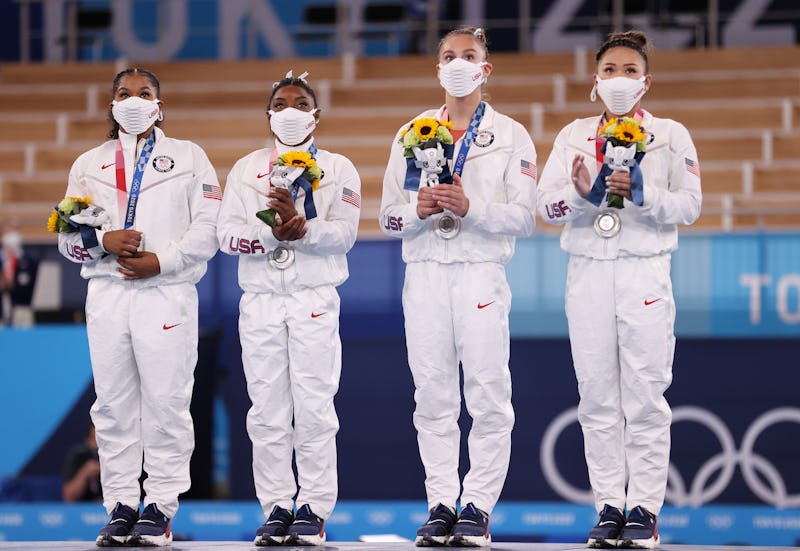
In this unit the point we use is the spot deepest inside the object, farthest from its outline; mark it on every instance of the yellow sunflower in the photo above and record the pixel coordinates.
(628, 131)
(426, 128)
(51, 222)
(447, 124)
(608, 128)
(296, 158)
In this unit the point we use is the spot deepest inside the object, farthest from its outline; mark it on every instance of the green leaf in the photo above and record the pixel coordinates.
(267, 216)
(615, 201)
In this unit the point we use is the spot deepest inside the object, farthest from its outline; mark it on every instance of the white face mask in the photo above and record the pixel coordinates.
(620, 94)
(459, 77)
(292, 126)
(135, 114)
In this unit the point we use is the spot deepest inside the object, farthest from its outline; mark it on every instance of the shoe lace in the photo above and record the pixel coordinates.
(123, 512)
(472, 513)
(280, 514)
(152, 514)
(305, 513)
(641, 516)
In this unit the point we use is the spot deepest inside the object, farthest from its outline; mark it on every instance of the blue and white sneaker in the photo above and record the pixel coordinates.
(307, 528)
(436, 531)
(641, 530)
(274, 531)
(607, 530)
(152, 530)
(118, 529)
(471, 529)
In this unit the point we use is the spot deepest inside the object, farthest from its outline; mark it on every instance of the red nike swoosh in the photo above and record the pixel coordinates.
(168, 327)
(591, 139)
(482, 306)
(106, 166)
(314, 315)
(649, 302)
(262, 175)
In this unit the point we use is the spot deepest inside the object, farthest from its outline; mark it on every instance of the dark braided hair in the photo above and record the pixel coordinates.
(291, 81)
(114, 132)
(635, 40)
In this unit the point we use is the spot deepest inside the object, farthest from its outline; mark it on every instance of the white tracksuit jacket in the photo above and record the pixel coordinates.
(289, 327)
(143, 333)
(456, 302)
(620, 307)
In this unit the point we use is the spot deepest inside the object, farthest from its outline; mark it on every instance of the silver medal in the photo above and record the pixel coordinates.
(281, 257)
(448, 225)
(607, 224)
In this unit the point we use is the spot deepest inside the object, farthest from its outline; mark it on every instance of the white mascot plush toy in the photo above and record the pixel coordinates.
(431, 161)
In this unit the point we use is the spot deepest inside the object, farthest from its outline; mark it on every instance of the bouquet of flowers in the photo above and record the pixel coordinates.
(296, 169)
(73, 212)
(423, 133)
(625, 137)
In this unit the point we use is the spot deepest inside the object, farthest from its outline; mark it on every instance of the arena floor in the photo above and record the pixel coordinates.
(359, 546)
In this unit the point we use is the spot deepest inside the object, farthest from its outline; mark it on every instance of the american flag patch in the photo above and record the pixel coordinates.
(692, 167)
(212, 192)
(352, 197)
(528, 168)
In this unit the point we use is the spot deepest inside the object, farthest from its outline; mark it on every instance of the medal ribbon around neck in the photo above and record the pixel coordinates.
(129, 212)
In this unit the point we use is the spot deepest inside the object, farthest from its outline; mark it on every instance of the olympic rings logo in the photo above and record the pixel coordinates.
(759, 474)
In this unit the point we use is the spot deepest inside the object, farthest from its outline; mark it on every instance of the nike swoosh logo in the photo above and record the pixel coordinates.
(635, 524)
(106, 166)
(168, 327)
(314, 315)
(145, 521)
(464, 521)
(118, 520)
(436, 520)
(649, 302)
(591, 139)
(262, 175)
(608, 522)
(482, 306)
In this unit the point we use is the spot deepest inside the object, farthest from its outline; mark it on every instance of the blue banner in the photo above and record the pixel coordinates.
(388, 521)
(726, 285)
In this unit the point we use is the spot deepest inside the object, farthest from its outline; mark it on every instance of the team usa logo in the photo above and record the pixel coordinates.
(393, 223)
(246, 246)
(484, 138)
(557, 210)
(162, 163)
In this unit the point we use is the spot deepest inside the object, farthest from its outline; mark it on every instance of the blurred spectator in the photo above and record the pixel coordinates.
(18, 276)
(82, 471)
(11, 249)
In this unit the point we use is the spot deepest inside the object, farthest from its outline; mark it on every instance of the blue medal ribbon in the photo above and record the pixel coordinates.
(302, 183)
(136, 183)
(413, 174)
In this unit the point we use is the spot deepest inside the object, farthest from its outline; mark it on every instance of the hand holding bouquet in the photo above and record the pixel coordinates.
(293, 170)
(624, 139)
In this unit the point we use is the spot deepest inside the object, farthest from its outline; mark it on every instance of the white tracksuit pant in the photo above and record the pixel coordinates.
(621, 316)
(143, 346)
(292, 358)
(458, 312)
